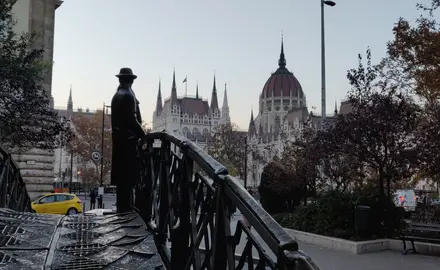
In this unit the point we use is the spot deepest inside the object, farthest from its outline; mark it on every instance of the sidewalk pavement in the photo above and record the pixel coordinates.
(328, 259)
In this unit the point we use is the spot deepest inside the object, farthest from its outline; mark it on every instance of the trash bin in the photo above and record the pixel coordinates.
(362, 219)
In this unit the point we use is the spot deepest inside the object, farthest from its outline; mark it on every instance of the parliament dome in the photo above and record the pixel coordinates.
(282, 83)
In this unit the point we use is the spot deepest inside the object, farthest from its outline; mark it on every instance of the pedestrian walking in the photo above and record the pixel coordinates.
(92, 199)
(100, 201)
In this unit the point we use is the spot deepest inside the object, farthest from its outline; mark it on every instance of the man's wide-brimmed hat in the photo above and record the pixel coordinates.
(126, 72)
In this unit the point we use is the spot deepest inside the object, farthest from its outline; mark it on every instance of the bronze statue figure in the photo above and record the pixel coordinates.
(126, 133)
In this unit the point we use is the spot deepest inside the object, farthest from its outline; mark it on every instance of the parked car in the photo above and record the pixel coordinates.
(57, 203)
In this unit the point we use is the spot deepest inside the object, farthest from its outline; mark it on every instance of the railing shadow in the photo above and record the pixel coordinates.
(190, 212)
(13, 193)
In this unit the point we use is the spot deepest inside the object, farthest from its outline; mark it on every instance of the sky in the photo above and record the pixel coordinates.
(239, 41)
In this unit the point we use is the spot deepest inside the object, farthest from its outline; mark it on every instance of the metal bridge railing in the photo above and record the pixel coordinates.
(13, 193)
(188, 199)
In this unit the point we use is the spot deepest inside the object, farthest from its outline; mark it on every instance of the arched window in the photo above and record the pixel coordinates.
(205, 132)
(196, 131)
(185, 131)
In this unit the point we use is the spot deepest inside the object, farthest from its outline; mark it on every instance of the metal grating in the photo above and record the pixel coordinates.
(6, 240)
(8, 229)
(5, 258)
(20, 217)
(82, 249)
(83, 236)
(81, 264)
(81, 225)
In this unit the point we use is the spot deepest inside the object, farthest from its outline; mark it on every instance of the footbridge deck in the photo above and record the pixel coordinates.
(32, 241)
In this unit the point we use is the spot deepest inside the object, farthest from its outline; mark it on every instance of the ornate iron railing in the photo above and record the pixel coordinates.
(190, 199)
(13, 193)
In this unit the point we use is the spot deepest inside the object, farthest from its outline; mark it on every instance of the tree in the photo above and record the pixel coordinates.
(429, 139)
(288, 180)
(228, 146)
(88, 138)
(301, 159)
(339, 169)
(380, 131)
(413, 56)
(279, 189)
(26, 119)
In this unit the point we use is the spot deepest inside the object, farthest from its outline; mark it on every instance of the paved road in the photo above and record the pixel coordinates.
(109, 199)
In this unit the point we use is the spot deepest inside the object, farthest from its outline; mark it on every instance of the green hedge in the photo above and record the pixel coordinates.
(333, 214)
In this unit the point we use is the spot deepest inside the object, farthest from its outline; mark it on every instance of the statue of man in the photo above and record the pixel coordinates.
(126, 132)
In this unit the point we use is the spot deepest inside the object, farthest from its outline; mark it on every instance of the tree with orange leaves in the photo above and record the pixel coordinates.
(88, 139)
(413, 62)
(413, 56)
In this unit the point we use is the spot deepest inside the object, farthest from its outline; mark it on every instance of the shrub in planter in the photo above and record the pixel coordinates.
(333, 214)
(278, 192)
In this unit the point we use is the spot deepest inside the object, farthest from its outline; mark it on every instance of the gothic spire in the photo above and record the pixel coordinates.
(282, 60)
(336, 108)
(70, 101)
(252, 130)
(174, 89)
(159, 101)
(197, 90)
(225, 99)
(214, 100)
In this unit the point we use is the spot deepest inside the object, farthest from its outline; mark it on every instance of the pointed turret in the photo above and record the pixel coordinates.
(336, 108)
(197, 90)
(69, 112)
(225, 99)
(225, 108)
(174, 89)
(282, 60)
(159, 101)
(252, 131)
(214, 100)
(70, 102)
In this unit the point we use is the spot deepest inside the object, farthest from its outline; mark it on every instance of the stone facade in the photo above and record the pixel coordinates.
(190, 116)
(38, 16)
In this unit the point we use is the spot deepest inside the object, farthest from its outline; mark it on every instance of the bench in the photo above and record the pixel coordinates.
(430, 232)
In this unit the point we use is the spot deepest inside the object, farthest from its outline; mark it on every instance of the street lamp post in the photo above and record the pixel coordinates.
(71, 171)
(102, 142)
(323, 90)
(245, 162)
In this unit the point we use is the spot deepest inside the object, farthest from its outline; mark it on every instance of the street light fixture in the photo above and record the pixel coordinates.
(323, 90)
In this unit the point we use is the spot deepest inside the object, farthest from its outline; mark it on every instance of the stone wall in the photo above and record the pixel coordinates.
(37, 165)
(37, 169)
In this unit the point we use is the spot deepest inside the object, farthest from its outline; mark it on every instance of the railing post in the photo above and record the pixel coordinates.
(144, 191)
(180, 243)
(163, 186)
(4, 180)
(219, 244)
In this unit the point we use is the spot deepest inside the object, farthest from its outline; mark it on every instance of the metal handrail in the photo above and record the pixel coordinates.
(229, 191)
(13, 193)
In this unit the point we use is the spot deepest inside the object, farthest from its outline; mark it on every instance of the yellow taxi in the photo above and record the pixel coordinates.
(57, 203)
